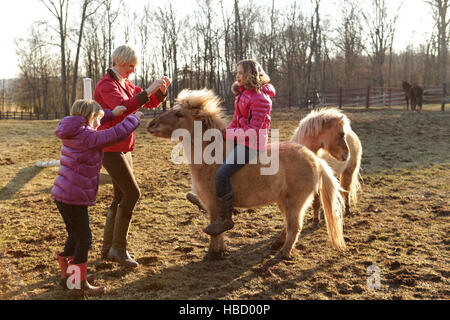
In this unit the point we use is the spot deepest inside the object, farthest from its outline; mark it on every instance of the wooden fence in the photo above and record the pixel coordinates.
(363, 97)
(359, 97)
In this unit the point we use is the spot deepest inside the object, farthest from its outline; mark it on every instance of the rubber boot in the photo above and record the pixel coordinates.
(118, 251)
(108, 232)
(224, 222)
(63, 264)
(192, 197)
(83, 288)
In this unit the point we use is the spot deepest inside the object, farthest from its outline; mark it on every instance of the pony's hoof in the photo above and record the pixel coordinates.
(282, 256)
(348, 213)
(276, 245)
(214, 256)
(315, 225)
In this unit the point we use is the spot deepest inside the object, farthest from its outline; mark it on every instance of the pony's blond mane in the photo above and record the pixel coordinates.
(203, 105)
(315, 122)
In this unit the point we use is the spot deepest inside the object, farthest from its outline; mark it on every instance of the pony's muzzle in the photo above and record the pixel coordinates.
(152, 127)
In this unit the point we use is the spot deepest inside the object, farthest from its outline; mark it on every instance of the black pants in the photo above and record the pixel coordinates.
(79, 239)
(236, 159)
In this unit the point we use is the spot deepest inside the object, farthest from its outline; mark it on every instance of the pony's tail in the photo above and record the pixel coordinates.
(333, 204)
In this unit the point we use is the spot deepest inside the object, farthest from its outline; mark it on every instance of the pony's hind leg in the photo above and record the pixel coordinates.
(279, 242)
(295, 211)
(316, 208)
(346, 181)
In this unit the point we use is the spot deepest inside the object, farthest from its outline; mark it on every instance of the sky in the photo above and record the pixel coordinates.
(415, 22)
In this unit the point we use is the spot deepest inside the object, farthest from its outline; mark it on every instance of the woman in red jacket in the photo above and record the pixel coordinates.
(112, 90)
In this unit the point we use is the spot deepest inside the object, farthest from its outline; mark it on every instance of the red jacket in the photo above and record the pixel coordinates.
(252, 111)
(109, 93)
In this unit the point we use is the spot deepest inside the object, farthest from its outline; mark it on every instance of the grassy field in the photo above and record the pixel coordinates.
(401, 225)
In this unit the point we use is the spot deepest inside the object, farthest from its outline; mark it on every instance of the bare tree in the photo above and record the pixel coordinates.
(60, 10)
(440, 9)
(381, 33)
(349, 38)
(111, 15)
(88, 8)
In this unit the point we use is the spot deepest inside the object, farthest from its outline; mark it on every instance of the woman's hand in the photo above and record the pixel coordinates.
(155, 86)
(118, 111)
(167, 83)
(140, 115)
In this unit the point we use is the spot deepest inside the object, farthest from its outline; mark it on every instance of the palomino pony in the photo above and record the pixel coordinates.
(317, 131)
(413, 93)
(301, 174)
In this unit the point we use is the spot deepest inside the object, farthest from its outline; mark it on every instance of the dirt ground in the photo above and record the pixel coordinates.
(399, 233)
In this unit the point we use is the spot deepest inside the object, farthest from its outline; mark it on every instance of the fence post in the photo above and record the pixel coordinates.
(368, 97)
(21, 115)
(340, 97)
(7, 114)
(14, 115)
(0, 115)
(390, 97)
(444, 94)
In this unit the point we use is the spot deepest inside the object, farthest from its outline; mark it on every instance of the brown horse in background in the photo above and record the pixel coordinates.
(413, 93)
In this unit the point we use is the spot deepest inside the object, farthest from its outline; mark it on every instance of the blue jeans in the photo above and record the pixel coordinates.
(236, 159)
(79, 239)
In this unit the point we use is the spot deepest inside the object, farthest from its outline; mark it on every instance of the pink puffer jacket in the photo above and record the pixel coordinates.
(251, 121)
(82, 156)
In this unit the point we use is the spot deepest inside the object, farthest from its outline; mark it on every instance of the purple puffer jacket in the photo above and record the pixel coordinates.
(82, 156)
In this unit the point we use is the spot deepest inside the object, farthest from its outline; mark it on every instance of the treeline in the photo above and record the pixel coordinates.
(300, 49)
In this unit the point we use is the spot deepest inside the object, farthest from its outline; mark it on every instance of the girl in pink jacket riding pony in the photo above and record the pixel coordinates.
(76, 185)
(249, 130)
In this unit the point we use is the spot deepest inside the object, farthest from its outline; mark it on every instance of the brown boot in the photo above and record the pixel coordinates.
(108, 232)
(224, 222)
(84, 288)
(118, 251)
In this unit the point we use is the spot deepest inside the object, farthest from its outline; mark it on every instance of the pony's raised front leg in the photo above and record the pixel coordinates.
(316, 208)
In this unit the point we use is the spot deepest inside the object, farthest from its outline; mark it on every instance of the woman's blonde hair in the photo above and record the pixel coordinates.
(255, 76)
(124, 55)
(86, 108)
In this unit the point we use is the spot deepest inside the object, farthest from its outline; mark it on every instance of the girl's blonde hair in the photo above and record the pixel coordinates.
(124, 55)
(255, 76)
(86, 108)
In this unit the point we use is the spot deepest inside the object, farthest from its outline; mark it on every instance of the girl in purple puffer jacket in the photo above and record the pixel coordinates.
(76, 185)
